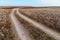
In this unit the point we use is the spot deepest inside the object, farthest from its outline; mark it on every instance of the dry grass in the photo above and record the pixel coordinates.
(47, 16)
(6, 32)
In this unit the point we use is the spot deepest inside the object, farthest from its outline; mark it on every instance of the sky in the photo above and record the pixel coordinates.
(29, 2)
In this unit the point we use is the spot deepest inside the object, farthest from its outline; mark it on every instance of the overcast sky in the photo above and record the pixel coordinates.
(29, 2)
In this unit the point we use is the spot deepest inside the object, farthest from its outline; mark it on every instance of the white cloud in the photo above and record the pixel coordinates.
(51, 2)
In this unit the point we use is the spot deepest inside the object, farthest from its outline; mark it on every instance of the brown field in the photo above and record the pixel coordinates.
(47, 16)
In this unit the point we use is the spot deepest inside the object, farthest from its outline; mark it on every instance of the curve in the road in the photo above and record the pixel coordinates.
(20, 30)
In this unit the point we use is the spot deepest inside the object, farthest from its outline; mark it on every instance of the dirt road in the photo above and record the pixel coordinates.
(23, 33)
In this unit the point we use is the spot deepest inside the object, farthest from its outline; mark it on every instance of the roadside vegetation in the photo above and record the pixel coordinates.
(47, 16)
(6, 32)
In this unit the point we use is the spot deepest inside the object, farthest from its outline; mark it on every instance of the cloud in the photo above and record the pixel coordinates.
(50, 2)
